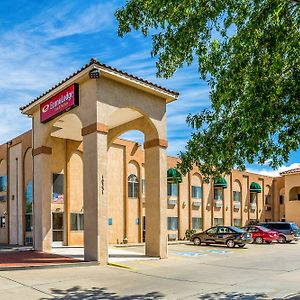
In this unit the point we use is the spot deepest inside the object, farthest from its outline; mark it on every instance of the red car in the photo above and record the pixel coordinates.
(262, 234)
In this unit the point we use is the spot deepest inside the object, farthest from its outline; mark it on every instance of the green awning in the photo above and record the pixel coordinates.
(255, 188)
(173, 176)
(220, 182)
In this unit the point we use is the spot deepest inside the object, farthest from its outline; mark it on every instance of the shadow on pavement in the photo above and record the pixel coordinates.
(231, 295)
(76, 293)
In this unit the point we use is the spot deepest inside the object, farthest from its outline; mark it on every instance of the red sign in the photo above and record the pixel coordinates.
(60, 103)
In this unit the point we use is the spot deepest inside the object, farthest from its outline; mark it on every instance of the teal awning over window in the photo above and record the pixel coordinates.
(220, 182)
(255, 188)
(173, 175)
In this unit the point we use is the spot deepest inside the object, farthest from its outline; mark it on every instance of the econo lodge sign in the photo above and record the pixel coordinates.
(60, 103)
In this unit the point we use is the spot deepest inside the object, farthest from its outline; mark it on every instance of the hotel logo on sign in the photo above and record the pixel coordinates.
(60, 103)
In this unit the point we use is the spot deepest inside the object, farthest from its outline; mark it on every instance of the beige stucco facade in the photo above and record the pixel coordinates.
(75, 165)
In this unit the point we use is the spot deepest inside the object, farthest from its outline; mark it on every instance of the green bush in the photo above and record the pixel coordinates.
(189, 233)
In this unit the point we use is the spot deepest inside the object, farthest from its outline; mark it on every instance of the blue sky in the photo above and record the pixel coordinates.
(44, 41)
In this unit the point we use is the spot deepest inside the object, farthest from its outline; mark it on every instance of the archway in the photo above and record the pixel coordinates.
(144, 202)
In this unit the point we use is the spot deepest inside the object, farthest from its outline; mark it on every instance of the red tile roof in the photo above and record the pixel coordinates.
(94, 61)
(292, 171)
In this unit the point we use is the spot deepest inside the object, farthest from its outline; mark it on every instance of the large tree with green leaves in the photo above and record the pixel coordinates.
(249, 53)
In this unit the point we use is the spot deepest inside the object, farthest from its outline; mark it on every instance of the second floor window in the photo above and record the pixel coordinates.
(133, 186)
(172, 189)
(218, 194)
(196, 192)
(236, 196)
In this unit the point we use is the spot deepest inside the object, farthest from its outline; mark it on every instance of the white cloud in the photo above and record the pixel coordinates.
(274, 173)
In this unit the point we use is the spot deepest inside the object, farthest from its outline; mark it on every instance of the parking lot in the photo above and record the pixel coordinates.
(191, 272)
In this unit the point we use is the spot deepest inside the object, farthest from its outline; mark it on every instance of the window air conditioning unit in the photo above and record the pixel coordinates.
(197, 203)
(253, 206)
(218, 203)
(237, 204)
(172, 236)
(172, 201)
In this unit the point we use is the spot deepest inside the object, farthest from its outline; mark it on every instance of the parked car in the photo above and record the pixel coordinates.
(288, 231)
(228, 235)
(262, 234)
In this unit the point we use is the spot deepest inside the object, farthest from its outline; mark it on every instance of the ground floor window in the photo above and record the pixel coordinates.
(197, 223)
(58, 188)
(2, 221)
(76, 221)
(218, 221)
(172, 223)
(28, 222)
(237, 222)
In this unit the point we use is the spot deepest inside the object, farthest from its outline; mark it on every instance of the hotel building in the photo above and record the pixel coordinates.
(72, 181)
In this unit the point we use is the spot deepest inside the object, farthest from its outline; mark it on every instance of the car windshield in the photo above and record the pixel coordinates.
(263, 228)
(294, 226)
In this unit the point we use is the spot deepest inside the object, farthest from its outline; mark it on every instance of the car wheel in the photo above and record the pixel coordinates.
(197, 241)
(259, 240)
(230, 243)
(282, 239)
(241, 245)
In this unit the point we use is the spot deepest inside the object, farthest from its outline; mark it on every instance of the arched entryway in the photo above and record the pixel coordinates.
(93, 111)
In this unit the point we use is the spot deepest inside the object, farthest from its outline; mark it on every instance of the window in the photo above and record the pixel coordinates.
(77, 221)
(212, 230)
(3, 183)
(218, 221)
(172, 223)
(237, 222)
(2, 221)
(133, 186)
(28, 197)
(196, 192)
(3, 198)
(225, 230)
(236, 196)
(281, 199)
(218, 193)
(143, 187)
(58, 188)
(28, 207)
(197, 223)
(172, 189)
(268, 200)
(253, 197)
(28, 222)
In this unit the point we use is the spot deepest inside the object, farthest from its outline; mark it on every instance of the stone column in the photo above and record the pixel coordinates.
(156, 200)
(95, 196)
(42, 183)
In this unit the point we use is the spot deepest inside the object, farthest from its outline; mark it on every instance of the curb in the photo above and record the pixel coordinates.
(50, 266)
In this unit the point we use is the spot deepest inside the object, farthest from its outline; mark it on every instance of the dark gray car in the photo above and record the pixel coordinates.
(288, 231)
(227, 235)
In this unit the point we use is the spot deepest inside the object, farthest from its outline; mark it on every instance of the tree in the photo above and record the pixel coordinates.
(249, 53)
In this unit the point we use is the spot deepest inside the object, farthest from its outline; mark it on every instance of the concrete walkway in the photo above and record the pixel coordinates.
(116, 254)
